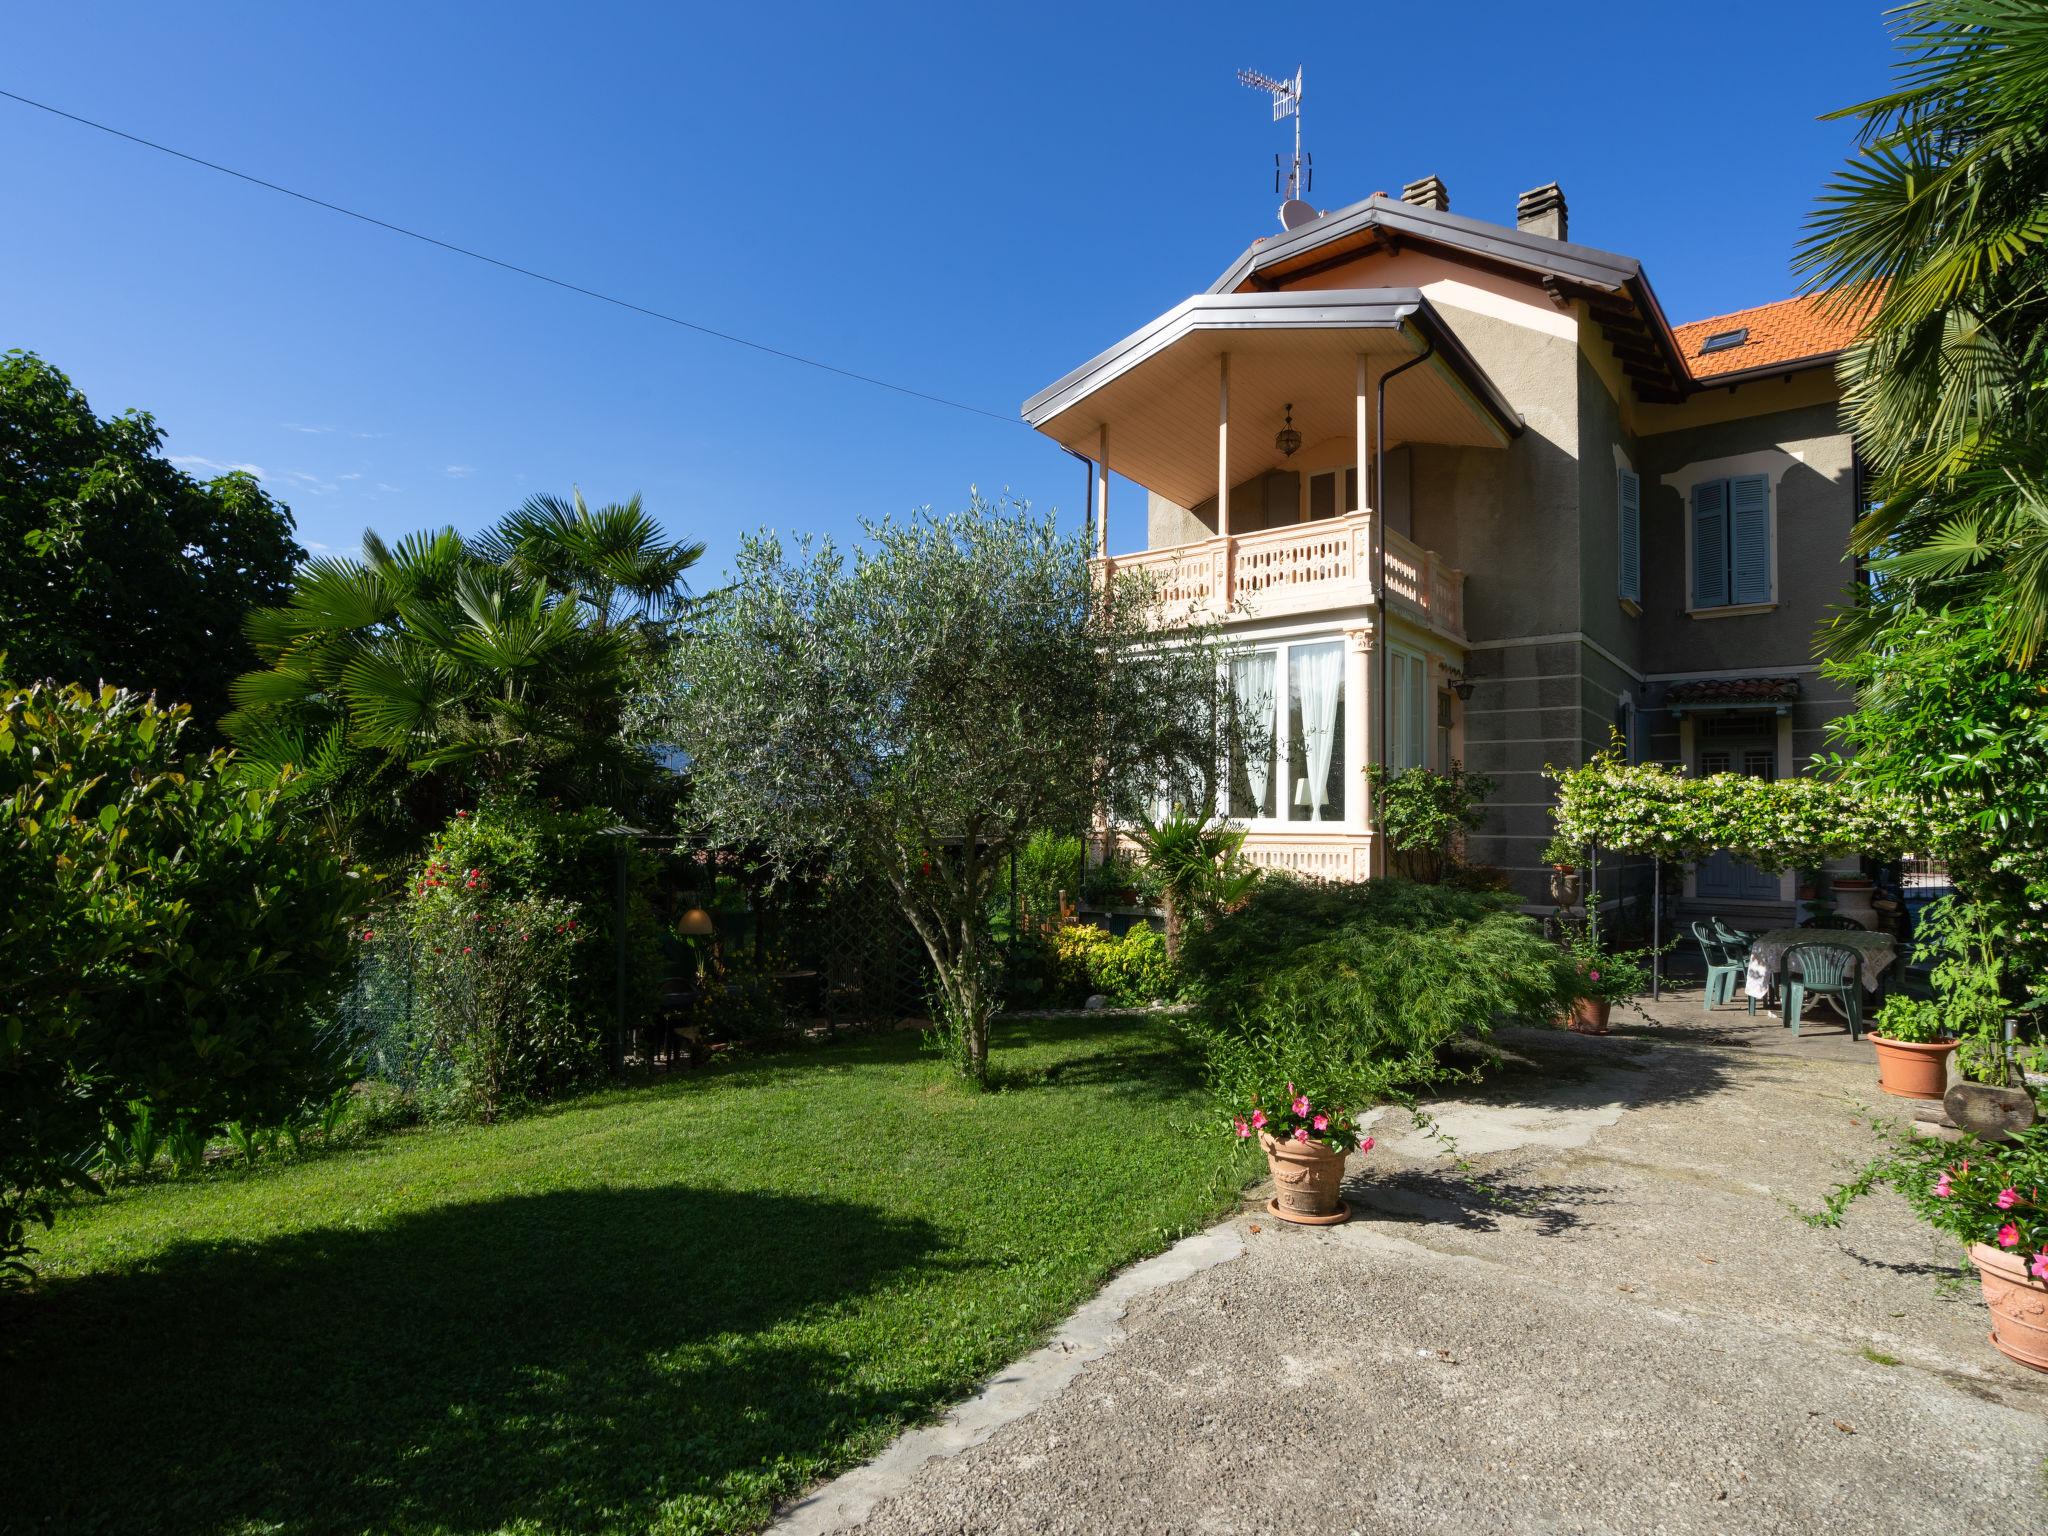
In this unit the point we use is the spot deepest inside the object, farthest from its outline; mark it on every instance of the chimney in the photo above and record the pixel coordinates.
(1541, 211)
(1430, 192)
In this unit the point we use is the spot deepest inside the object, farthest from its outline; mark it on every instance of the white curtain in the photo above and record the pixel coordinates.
(1318, 681)
(1251, 680)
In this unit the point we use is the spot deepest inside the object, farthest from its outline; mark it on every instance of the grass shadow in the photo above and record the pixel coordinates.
(568, 1361)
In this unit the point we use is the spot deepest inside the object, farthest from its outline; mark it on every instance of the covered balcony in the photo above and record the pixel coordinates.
(1194, 405)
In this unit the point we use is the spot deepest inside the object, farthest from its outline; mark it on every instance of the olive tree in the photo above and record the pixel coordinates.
(917, 706)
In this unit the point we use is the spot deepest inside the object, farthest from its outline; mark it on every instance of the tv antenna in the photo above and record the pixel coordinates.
(1299, 175)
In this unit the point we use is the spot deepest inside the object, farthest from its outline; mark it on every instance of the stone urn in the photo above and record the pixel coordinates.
(1852, 898)
(1911, 1069)
(2018, 1303)
(1564, 887)
(1306, 1178)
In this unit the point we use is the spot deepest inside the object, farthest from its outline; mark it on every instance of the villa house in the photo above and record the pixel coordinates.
(1461, 491)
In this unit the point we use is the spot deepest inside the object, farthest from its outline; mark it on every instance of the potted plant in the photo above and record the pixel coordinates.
(1988, 1196)
(1305, 1146)
(1913, 1045)
(1601, 977)
(1562, 855)
(1809, 884)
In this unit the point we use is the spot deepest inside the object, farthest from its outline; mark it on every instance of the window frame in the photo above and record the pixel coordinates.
(1730, 607)
(1281, 650)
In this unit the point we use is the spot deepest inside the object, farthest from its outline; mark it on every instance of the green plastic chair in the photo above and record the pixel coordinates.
(1735, 946)
(1722, 971)
(1823, 970)
(1836, 921)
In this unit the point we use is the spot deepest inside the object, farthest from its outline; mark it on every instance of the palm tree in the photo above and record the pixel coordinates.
(1939, 228)
(1198, 866)
(402, 684)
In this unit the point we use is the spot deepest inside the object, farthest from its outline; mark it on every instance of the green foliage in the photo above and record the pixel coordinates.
(1197, 865)
(1941, 218)
(121, 567)
(504, 1021)
(1119, 880)
(1562, 853)
(1425, 814)
(1049, 863)
(1603, 973)
(1946, 720)
(1976, 1191)
(1650, 808)
(1965, 940)
(176, 939)
(1350, 991)
(429, 673)
(1910, 1021)
(914, 707)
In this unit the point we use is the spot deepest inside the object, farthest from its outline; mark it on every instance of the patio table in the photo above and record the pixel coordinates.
(1874, 953)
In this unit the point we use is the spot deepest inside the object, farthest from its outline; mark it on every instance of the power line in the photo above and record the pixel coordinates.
(508, 266)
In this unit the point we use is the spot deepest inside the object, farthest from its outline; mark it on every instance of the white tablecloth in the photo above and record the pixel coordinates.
(1874, 952)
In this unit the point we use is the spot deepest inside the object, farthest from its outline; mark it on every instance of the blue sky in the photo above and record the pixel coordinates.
(964, 199)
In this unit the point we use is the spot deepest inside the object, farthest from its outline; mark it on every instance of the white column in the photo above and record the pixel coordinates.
(1223, 446)
(1361, 721)
(1102, 494)
(1362, 441)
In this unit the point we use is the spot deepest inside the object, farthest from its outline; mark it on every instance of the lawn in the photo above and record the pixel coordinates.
(662, 1308)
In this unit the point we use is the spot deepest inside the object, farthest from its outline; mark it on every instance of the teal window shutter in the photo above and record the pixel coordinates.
(1629, 550)
(1710, 544)
(1749, 538)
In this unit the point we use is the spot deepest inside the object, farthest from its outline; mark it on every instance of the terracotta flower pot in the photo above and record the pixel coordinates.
(2018, 1303)
(1306, 1178)
(1589, 1015)
(1911, 1070)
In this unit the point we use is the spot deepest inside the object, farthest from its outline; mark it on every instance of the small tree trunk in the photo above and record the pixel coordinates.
(1173, 926)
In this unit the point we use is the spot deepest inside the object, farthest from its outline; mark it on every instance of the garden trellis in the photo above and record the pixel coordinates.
(1661, 812)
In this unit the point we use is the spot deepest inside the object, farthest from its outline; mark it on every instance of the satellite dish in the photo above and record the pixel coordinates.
(1294, 213)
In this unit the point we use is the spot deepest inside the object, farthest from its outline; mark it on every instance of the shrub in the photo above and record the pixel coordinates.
(1350, 991)
(1425, 814)
(1047, 864)
(1976, 1191)
(174, 941)
(533, 851)
(495, 977)
(1064, 968)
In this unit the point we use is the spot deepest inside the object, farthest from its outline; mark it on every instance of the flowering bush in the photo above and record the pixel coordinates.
(1976, 1191)
(496, 977)
(1295, 1118)
(1651, 808)
(1426, 814)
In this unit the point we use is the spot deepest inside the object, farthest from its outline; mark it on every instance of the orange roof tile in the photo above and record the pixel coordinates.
(1789, 331)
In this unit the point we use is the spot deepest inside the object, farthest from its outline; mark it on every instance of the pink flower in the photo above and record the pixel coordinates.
(1301, 1133)
(2039, 1268)
(1322, 1122)
(1259, 1118)
(1592, 975)
(462, 815)
(2008, 1236)
(2007, 1197)
(1243, 1130)
(1365, 1145)
(572, 922)
(1301, 1104)
(1942, 1186)
(369, 934)
(465, 949)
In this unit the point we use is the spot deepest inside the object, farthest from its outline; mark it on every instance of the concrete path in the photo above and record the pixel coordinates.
(1607, 1321)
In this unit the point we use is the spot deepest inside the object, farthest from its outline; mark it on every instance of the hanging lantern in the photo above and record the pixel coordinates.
(1288, 439)
(695, 922)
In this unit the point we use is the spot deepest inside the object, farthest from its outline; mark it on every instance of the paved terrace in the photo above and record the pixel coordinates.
(1630, 1333)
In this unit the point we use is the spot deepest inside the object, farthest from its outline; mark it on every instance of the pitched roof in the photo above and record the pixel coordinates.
(1801, 330)
(1733, 690)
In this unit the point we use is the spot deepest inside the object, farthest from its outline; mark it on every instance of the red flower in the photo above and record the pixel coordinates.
(462, 815)
(369, 934)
